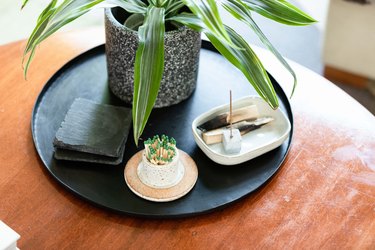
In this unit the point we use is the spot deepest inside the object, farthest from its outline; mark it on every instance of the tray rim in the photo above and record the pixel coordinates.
(205, 45)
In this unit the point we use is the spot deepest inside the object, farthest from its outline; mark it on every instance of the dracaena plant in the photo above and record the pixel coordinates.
(204, 16)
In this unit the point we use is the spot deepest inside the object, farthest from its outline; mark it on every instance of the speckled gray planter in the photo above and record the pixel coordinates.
(181, 57)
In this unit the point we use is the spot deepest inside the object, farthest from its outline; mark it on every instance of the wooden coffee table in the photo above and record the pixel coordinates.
(322, 197)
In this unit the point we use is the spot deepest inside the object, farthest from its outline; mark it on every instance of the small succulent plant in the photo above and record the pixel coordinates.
(160, 151)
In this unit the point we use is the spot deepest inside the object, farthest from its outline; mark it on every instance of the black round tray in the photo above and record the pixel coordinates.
(217, 185)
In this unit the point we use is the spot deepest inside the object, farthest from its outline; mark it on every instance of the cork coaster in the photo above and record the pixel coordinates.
(161, 194)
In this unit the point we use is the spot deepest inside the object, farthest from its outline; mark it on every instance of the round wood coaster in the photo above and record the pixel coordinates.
(161, 194)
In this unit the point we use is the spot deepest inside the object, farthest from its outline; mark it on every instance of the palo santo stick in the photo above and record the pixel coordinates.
(240, 114)
(216, 136)
(213, 136)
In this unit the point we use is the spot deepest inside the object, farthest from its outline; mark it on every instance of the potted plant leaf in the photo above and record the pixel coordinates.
(154, 18)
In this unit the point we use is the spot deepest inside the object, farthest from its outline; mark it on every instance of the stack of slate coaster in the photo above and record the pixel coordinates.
(93, 132)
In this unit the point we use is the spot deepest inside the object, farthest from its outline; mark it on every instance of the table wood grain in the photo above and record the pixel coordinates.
(323, 196)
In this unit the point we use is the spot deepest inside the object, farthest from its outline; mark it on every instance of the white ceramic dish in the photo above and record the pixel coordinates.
(254, 143)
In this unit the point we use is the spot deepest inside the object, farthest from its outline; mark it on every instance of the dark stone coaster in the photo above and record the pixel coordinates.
(99, 129)
(70, 155)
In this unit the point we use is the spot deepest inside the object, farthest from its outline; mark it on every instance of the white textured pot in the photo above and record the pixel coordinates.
(161, 176)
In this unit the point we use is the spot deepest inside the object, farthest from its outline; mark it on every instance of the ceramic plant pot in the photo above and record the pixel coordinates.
(160, 176)
(181, 58)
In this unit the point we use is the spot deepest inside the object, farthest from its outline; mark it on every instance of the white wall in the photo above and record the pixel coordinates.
(350, 37)
(16, 24)
(318, 9)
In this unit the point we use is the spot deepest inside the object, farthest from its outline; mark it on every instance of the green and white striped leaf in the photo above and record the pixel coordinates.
(152, 2)
(54, 17)
(280, 11)
(24, 2)
(239, 11)
(42, 21)
(247, 61)
(160, 3)
(189, 20)
(244, 59)
(208, 12)
(131, 6)
(148, 68)
(172, 7)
